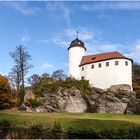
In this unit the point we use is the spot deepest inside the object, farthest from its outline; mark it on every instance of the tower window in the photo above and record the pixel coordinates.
(82, 68)
(126, 63)
(92, 66)
(116, 63)
(99, 65)
(107, 64)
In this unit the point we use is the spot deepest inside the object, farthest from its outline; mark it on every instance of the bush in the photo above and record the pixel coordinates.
(82, 133)
(56, 127)
(34, 103)
(36, 131)
(4, 127)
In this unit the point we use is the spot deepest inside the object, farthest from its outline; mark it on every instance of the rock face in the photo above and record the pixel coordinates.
(69, 100)
(28, 95)
(117, 99)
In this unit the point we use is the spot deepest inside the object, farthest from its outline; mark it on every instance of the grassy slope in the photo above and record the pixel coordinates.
(76, 120)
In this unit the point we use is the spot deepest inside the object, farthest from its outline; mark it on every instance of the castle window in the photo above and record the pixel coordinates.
(126, 63)
(82, 68)
(116, 63)
(92, 66)
(99, 65)
(107, 64)
(82, 78)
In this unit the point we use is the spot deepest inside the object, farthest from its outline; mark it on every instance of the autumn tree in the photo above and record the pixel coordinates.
(136, 79)
(21, 58)
(58, 75)
(7, 98)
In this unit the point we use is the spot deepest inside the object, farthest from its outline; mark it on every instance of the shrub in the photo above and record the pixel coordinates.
(83, 133)
(4, 127)
(34, 103)
(36, 131)
(56, 127)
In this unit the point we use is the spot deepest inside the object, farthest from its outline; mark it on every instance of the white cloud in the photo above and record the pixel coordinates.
(109, 5)
(63, 38)
(25, 36)
(22, 7)
(85, 33)
(46, 65)
(56, 8)
(135, 52)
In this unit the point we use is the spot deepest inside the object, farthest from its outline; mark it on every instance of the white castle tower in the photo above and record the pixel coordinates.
(76, 52)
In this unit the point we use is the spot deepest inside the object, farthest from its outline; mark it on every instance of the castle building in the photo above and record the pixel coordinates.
(102, 70)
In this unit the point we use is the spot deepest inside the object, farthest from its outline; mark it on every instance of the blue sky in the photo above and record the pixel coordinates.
(47, 28)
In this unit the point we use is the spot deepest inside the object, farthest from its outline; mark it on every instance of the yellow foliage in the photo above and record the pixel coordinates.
(6, 95)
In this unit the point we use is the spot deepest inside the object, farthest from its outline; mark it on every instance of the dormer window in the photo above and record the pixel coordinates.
(93, 58)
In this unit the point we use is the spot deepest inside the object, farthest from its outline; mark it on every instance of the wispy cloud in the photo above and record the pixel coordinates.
(47, 65)
(134, 53)
(67, 35)
(60, 7)
(85, 33)
(108, 5)
(63, 38)
(25, 36)
(22, 7)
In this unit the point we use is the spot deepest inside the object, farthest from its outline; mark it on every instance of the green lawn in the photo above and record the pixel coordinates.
(75, 120)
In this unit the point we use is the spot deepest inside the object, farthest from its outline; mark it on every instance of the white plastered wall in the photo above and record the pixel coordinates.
(75, 55)
(105, 76)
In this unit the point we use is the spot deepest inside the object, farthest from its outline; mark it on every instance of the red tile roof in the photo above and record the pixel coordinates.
(102, 57)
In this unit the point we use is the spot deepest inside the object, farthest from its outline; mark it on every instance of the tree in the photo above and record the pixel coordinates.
(21, 58)
(45, 75)
(34, 79)
(58, 75)
(136, 71)
(20, 69)
(15, 78)
(136, 79)
(7, 98)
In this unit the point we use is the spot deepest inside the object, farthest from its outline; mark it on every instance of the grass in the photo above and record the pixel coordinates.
(75, 120)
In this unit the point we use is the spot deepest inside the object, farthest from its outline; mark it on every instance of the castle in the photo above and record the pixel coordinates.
(102, 70)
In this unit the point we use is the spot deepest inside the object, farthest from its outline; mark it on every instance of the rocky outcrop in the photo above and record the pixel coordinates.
(28, 95)
(117, 99)
(69, 100)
